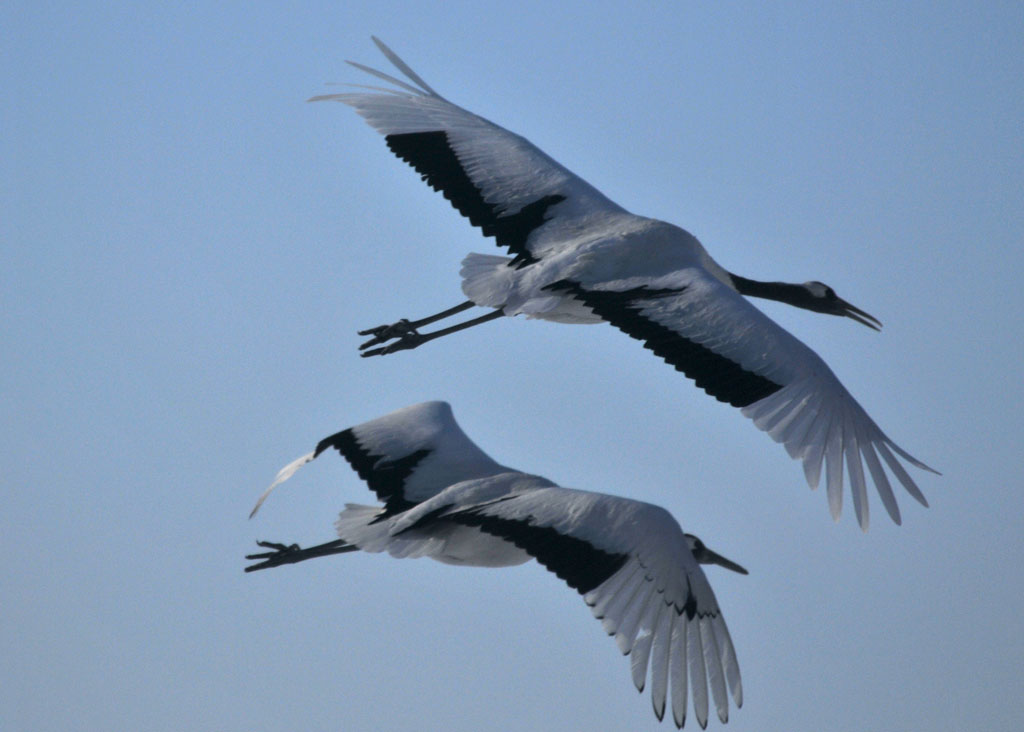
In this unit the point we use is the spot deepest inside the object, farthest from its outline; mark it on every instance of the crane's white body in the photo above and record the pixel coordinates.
(580, 258)
(446, 499)
(624, 253)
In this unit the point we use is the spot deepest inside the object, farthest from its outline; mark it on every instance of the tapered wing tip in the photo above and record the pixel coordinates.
(914, 461)
(260, 500)
(324, 97)
(283, 474)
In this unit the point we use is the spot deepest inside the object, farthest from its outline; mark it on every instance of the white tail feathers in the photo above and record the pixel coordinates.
(356, 526)
(487, 279)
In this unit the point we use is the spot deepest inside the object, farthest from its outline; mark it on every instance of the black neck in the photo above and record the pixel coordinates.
(781, 291)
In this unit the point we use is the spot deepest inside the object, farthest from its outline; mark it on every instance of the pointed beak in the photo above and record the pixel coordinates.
(709, 557)
(850, 311)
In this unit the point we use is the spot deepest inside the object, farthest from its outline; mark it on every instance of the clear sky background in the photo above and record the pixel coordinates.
(188, 249)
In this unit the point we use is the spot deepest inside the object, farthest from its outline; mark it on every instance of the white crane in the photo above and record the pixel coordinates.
(580, 258)
(444, 498)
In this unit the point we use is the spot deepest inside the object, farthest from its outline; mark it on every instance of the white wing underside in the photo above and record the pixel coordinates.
(659, 605)
(812, 415)
(430, 426)
(452, 456)
(667, 648)
(509, 170)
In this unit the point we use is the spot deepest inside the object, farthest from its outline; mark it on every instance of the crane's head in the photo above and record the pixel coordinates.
(823, 299)
(705, 556)
(814, 295)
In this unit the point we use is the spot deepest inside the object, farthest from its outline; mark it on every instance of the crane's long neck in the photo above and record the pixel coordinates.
(815, 296)
(790, 294)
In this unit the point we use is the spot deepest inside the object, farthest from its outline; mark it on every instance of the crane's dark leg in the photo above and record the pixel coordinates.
(384, 333)
(292, 553)
(408, 337)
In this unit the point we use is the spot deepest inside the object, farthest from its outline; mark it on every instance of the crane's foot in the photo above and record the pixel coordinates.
(293, 553)
(281, 554)
(384, 333)
(403, 333)
(279, 549)
(407, 340)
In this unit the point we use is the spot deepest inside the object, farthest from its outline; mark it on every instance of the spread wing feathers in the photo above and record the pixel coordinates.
(631, 562)
(740, 356)
(405, 457)
(445, 499)
(499, 180)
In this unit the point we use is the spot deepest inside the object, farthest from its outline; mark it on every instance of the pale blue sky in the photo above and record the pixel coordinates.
(188, 249)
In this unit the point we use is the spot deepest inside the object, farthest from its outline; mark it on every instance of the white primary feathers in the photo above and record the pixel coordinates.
(580, 258)
(446, 499)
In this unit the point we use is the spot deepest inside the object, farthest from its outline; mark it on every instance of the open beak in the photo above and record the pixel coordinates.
(706, 556)
(850, 311)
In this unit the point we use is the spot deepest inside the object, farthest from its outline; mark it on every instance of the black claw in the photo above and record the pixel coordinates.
(373, 342)
(272, 558)
(277, 546)
(400, 327)
(407, 340)
(384, 333)
(279, 549)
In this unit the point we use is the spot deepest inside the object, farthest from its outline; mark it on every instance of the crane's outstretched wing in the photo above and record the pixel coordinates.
(740, 356)
(405, 457)
(634, 568)
(500, 181)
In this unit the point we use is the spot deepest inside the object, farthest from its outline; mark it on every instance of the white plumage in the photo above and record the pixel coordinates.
(580, 258)
(446, 499)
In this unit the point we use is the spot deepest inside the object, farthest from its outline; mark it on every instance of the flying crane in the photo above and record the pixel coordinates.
(444, 498)
(577, 257)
